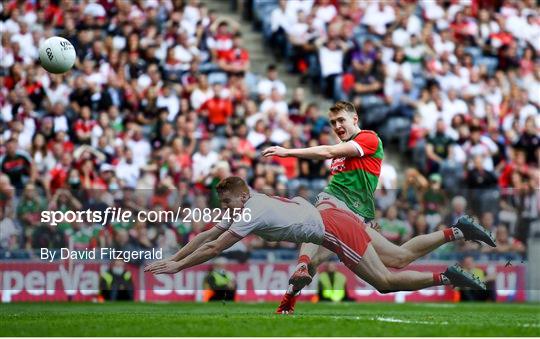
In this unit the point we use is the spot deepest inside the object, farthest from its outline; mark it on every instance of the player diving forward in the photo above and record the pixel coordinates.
(355, 169)
(296, 220)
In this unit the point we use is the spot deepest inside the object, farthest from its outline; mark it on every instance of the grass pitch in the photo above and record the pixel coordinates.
(230, 319)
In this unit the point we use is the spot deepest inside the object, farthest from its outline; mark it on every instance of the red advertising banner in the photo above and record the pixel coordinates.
(60, 281)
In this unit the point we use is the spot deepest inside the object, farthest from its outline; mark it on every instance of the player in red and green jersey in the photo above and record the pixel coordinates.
(356, 161)
(355, 169)
(354, 179)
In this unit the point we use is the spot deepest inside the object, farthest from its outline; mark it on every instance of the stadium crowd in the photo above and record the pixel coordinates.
(161, 105)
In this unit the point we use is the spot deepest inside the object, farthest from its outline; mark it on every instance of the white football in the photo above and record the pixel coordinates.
(57, 55)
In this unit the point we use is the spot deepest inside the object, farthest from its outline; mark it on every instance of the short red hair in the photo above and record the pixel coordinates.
(232, 184)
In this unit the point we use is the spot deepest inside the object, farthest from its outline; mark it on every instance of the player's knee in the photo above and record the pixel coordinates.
(388, 283)
(400, 263)
(400, 260)
(384, 285)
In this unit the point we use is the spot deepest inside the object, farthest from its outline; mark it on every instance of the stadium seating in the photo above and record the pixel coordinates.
(120, 122)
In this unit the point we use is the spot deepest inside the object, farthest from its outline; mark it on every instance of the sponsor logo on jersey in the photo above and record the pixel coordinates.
(338, 165)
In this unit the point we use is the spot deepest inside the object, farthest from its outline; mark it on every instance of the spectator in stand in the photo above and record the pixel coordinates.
(420, 226)
(127, 170)
(331, 61)
(17, 165)
(479, 177)
(291, 169)
(506, 243)
(529, 141)
(9, 231)
(480, 145)
(266, 85)
(83, 236)
(280, 23)
(482, 184)
(48, 236)
(438, 147)
(377, 17)
(275, 104)
(434, 201)
(303, 36)
(221, 41)
(220, 282)
(393, 228)
(116, 283)
(410, 193)
(458, 207)
(28, 211)
(236, 60)
(84, 125)
(488, 221)
(203, 160)
(367, 83)
(217, 109)
(298, 106)
(313, 172)
(201, 93)
(332, 284)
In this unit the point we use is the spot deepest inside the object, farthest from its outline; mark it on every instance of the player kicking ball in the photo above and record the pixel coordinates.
(356, 166)
(296, 220)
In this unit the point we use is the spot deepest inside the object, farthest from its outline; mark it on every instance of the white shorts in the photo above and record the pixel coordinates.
(325, 198)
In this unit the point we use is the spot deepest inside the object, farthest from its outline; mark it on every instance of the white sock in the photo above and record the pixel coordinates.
(290, 290)
(301, 265)
(458, 235)
(445, 279)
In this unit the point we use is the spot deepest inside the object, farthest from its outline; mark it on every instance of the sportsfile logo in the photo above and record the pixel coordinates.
(121, 215)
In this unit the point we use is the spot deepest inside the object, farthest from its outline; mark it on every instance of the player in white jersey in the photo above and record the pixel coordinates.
(296, 220)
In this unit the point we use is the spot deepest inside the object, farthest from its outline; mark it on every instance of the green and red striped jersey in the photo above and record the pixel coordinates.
(354, 179)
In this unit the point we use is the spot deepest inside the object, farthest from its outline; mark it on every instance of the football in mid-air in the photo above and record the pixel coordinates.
(57, 55)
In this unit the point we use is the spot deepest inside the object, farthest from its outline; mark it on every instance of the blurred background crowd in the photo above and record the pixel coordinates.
(162, 104)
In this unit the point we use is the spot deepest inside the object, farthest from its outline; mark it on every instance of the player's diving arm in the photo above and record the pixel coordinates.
(202, 254)
(345, 149)
(200, 239)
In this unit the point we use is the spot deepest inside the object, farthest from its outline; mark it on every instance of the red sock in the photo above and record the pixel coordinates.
(304, 259)
(449, 234)
(440, 279)
(437, 279)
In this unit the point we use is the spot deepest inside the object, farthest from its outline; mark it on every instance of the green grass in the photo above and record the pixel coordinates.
(229, 319)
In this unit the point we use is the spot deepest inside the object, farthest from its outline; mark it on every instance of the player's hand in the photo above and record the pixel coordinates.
(375, 226)
(165, 267)
(275, 150)
(153, 265)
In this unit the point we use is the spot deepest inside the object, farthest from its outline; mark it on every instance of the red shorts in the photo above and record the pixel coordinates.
(345, 235)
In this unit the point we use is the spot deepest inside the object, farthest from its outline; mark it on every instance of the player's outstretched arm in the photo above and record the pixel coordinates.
(199, 240)
(201, 255)
(346, 149)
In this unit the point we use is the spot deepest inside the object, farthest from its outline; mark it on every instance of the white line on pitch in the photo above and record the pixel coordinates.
(404, 321)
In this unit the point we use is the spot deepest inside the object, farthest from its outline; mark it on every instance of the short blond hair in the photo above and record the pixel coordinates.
(343, 106)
